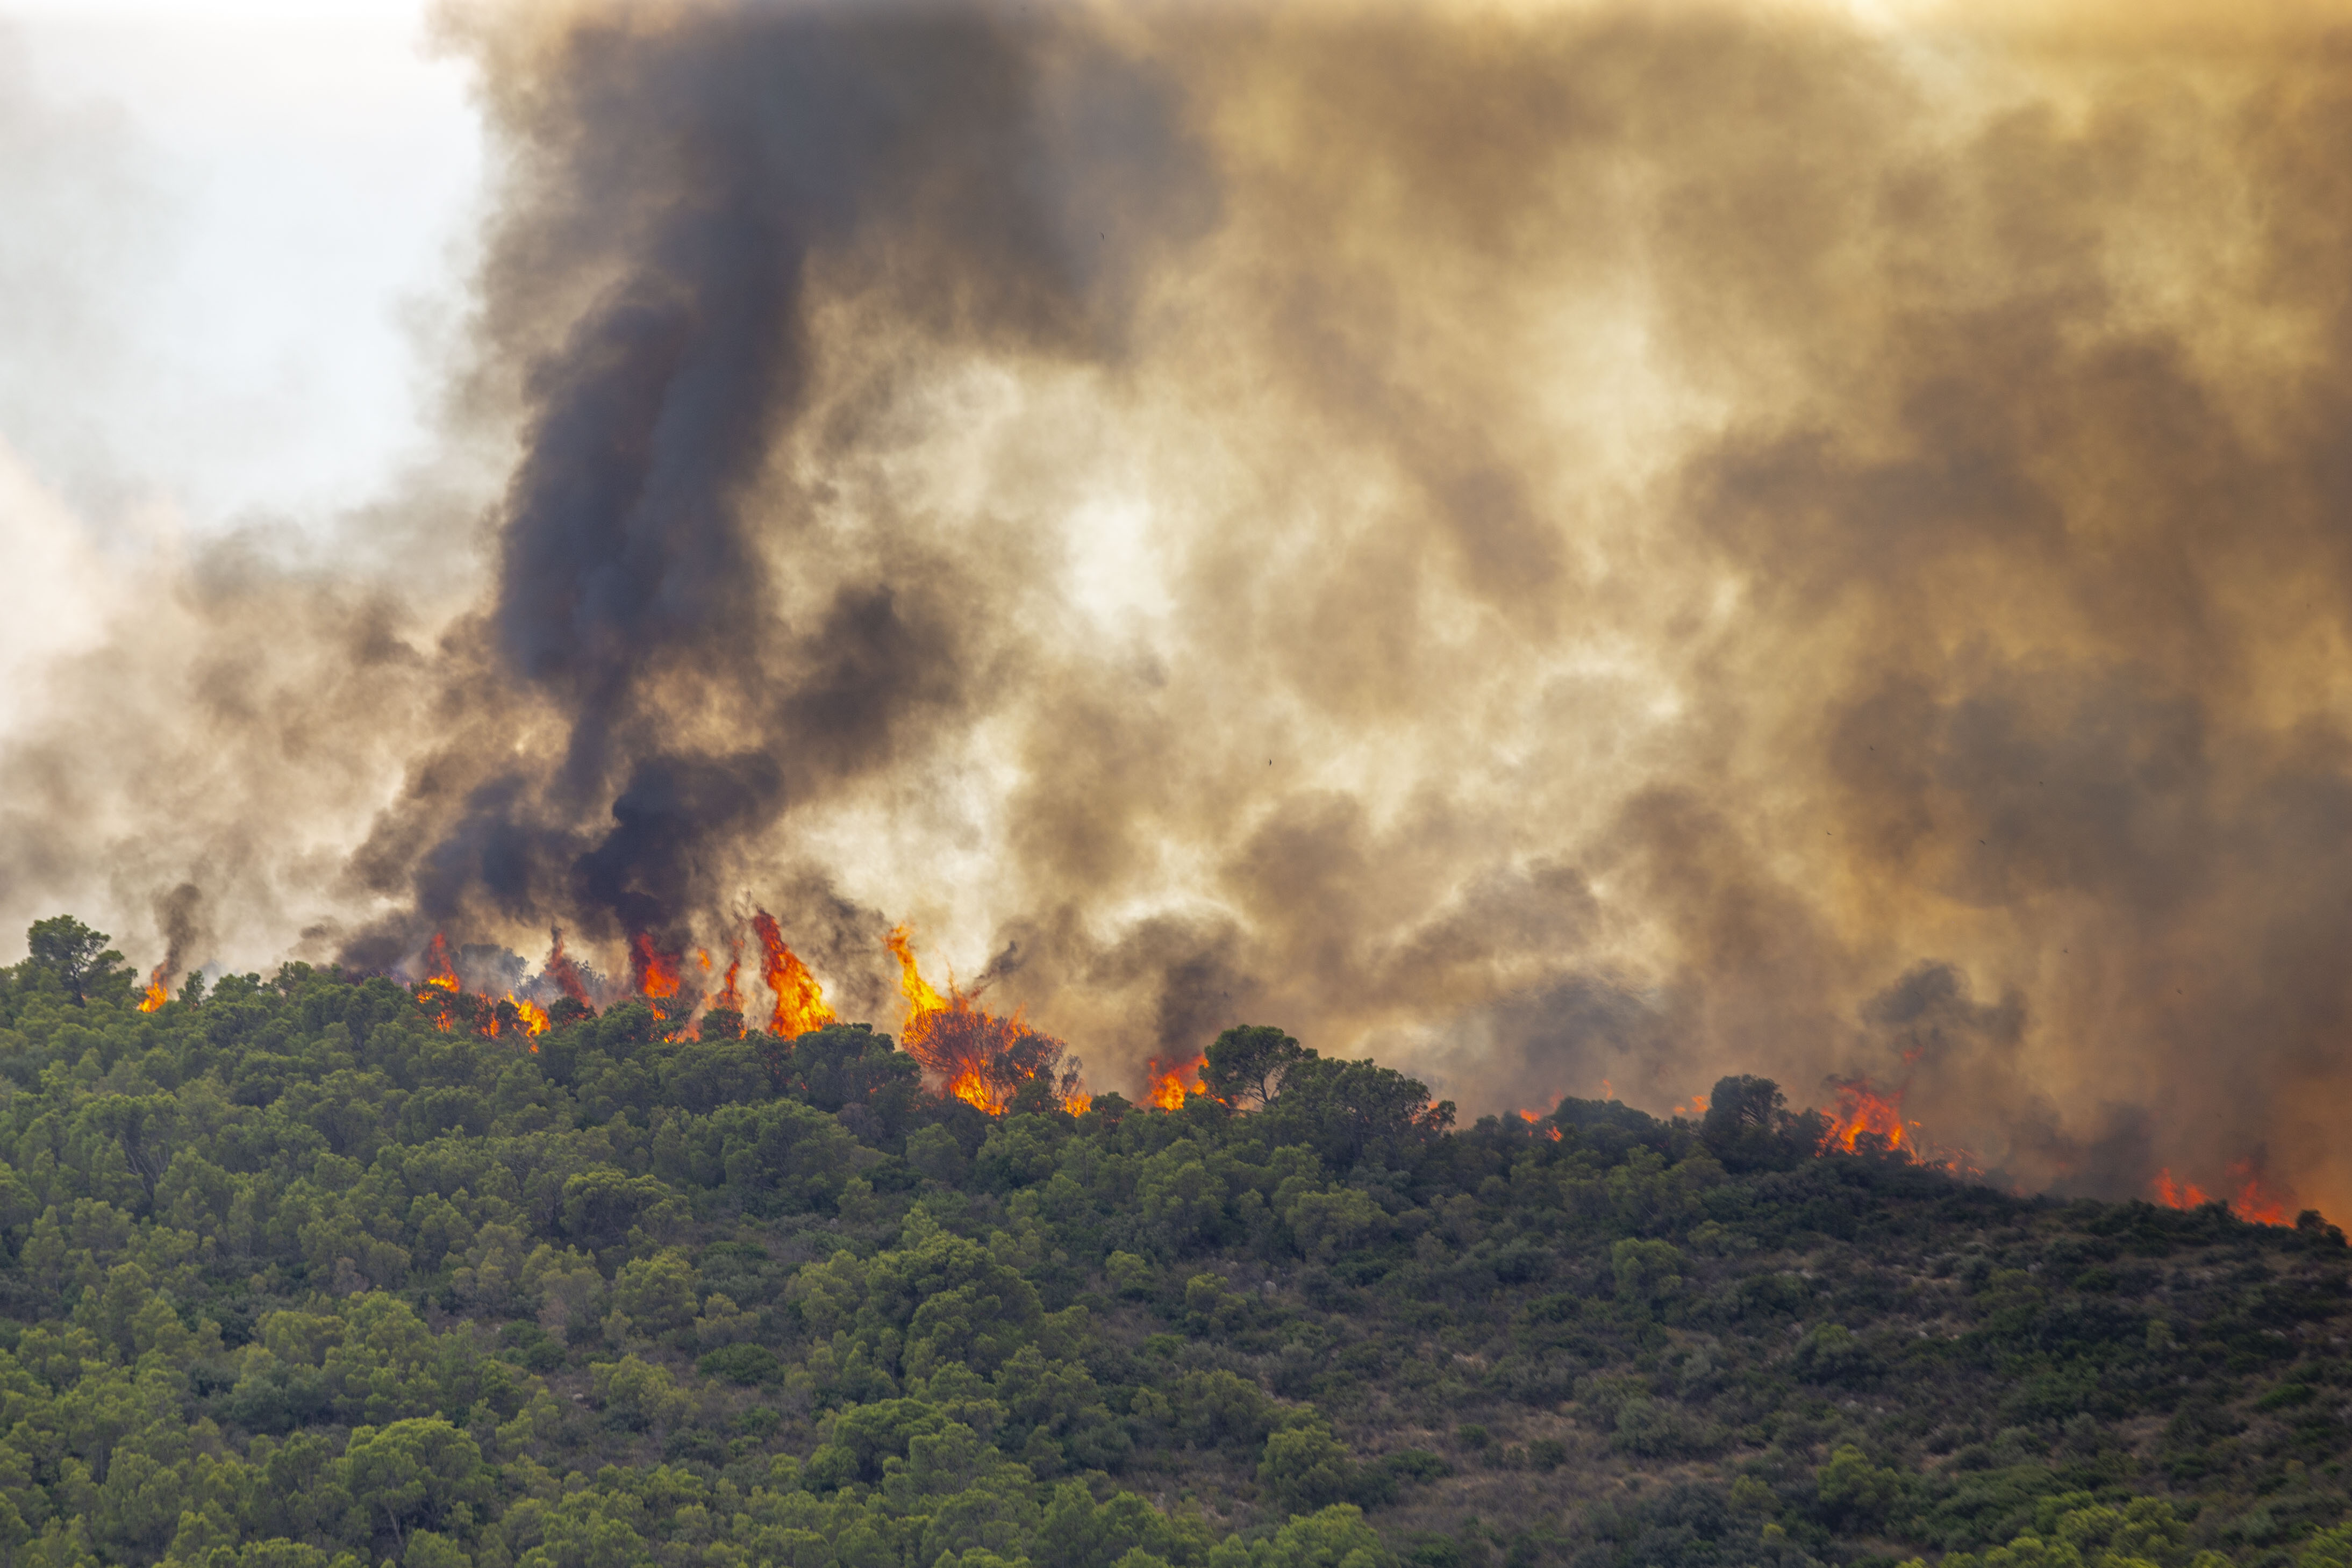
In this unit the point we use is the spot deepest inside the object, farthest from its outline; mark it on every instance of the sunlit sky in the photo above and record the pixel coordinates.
(231, 237)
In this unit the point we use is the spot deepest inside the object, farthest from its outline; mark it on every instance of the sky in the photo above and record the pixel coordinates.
(232, 242)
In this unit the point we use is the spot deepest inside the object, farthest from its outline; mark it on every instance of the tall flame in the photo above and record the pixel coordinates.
(921, 1000)
(800, 1000)
(439, 972)
(653, 971)
(973, 1055)
(730, 993)
(533, 1017)
(156, 994)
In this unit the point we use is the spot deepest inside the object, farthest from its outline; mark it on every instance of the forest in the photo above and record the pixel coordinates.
(295, 1278)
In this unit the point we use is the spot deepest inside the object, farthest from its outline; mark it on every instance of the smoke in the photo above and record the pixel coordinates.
(1552, 547)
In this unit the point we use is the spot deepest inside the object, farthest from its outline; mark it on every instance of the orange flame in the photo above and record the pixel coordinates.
(800, 1000)
(444, 998)
(156, 995)
(653, 971)
(921, 1000)
(731, 994)
(1862, 1109)
(440, 988)
(1170, 1085)
(560, 967)
(2256, 1201)
(2185, 1196)
(1528, 1116)
(438, 970)
(973, 1055)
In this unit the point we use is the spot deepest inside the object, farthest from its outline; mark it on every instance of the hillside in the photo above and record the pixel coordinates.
(295, 1279)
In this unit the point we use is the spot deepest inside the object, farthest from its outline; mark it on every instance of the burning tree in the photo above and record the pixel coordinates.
(976, 1056)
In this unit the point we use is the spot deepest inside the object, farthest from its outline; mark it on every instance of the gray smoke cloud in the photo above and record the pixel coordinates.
(1557, 549)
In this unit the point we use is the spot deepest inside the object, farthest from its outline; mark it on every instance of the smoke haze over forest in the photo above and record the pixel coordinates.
(1549, 547)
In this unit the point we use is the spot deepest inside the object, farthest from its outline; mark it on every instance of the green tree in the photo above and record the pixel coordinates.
(413, 1472)
(79, 957)
(1248, 1064)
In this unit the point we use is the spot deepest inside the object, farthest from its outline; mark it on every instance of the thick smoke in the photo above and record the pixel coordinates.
(1560, 548)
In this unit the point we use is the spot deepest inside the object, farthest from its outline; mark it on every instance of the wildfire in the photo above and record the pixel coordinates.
(800, 1001)
(2189, 1196)
(2256, 1201)
(533, 1017)
(1862, 1109)
(560, 967)
(731, 994)
(156, 995)
(977, 1057)
(921, 1000)
(439, 972)
(1169, 1085)
(439, 990)
(653, 971)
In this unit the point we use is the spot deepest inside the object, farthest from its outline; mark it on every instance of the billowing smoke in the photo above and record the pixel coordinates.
(1557, 548)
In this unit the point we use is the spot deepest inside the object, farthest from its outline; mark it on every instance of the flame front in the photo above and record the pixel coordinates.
(2256, 1201)
(156, 994)
(2187, 1196)
(800, 1000)
(974, 1055)
(1862, 1109)
(533, 1015)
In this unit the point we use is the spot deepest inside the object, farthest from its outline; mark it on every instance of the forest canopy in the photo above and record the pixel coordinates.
(295, 1279)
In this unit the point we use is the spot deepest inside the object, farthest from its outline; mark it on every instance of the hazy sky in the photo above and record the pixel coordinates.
(229, 236)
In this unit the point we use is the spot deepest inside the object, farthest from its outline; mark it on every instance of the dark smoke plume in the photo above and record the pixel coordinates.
(1576, 547)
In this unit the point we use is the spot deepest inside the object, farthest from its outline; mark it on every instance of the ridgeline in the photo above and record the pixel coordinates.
(295, 1279)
